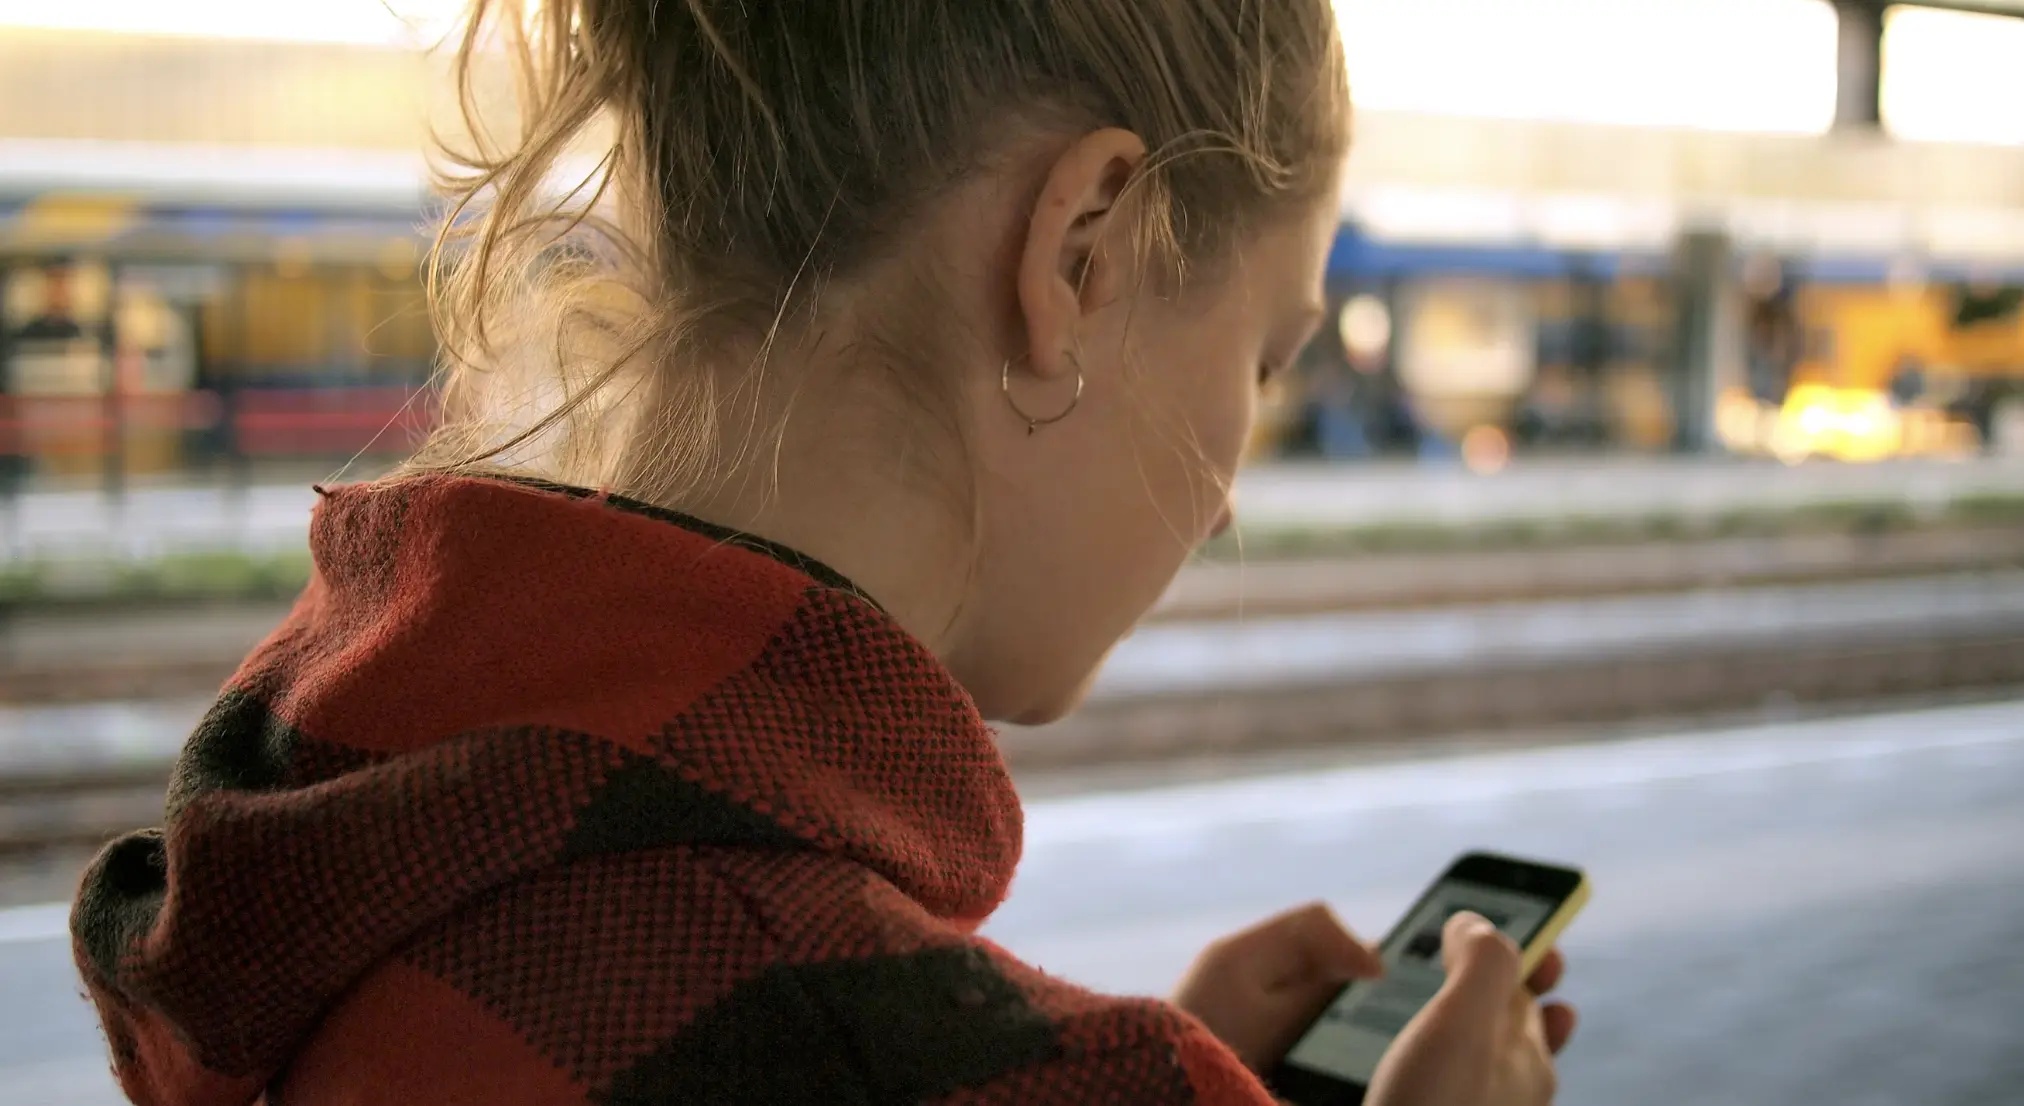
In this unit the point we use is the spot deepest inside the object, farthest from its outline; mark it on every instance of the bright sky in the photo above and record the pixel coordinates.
(1750, 65)
(358, 22)
(1959, 76)
(1756, 65)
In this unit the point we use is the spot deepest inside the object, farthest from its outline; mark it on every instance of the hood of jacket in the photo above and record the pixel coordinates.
(488, 678)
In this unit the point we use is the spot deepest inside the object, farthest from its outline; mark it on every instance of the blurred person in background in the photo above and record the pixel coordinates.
(55, 319)
(50, 351)
(1774, 338)
(49, 354)
(630, 746)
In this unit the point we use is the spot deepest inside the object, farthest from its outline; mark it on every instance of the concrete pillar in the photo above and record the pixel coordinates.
(1859, 89)
(1704, 279)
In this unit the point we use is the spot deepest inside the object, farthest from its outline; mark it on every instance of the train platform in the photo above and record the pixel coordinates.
(270, 512)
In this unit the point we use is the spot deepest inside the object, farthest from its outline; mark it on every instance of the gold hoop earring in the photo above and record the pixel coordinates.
(1032, 423)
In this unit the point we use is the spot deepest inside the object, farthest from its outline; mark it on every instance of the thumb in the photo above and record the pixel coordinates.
(1483, 965)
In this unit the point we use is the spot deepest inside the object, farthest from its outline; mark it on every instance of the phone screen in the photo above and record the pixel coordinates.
(1351, 1036)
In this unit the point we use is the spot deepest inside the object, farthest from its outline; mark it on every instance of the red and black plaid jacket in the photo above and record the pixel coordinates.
(540, 797)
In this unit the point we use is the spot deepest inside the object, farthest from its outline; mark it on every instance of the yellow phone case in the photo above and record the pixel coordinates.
(1549, 934)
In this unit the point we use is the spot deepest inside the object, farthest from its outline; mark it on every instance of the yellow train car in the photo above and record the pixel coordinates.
(1862, 336)
(1886, 370)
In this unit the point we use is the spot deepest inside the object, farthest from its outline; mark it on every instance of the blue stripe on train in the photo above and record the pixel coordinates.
(1355, 256)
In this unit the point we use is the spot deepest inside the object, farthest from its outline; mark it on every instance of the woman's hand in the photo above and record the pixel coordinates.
(1484, 1040)
(1259, 989)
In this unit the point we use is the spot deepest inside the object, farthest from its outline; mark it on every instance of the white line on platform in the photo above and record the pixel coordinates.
(44, 922)
(1192, 809)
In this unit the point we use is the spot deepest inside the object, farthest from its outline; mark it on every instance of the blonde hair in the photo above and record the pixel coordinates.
(750, 155)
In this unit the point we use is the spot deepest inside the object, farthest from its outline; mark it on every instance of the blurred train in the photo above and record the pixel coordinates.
(1484, 349)
(180, 311)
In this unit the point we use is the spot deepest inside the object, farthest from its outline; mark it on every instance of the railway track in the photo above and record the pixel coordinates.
(165, 650)
(1418, 580)
(77, 811)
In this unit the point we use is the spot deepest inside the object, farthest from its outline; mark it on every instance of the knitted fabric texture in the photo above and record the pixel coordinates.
(546, 797)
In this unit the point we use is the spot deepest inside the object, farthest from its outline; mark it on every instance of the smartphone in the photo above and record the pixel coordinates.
(1332, 1063)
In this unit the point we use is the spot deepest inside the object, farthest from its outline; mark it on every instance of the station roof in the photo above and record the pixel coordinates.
(1990, 7)
(178, 120)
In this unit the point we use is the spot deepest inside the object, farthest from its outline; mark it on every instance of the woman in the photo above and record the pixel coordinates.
(630, 747)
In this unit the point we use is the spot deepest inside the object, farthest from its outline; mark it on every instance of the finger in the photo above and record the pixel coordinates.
(1559, 1021)
(1332, 950)
(1309, 945)
(1526, 1018)
(1547, 975)
(1482, 964)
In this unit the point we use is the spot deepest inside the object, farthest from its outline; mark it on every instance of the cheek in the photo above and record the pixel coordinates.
(1237, 417)
(1224, 408)
(1217, 400)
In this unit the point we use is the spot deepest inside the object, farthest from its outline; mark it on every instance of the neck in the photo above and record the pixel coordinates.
(856, 503)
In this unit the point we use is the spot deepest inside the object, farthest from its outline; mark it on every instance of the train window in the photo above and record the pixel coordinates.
(328, 325)
(401, 341)
(1472, 337)
(155, 348)
(284, 323)
(1975, 304)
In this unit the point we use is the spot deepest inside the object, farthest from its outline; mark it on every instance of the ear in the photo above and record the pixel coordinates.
(1070, 266)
